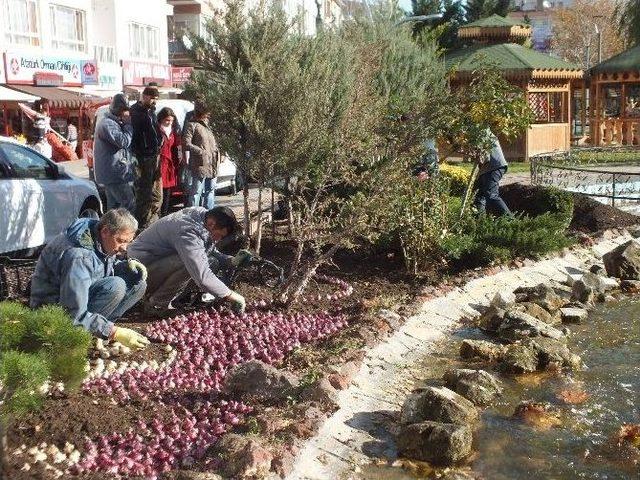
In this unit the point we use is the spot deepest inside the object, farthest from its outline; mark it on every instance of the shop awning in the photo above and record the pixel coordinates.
(9, 95)
(57, 97)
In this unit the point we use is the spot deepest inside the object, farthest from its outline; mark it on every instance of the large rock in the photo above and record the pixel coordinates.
(322, 392)
(243, 457)
(551, 351)
(624, 261)
(541, 294)
(518, 325)
(503, 300)
(436, 443)
(538, 312)
(481, 349)
(438, 404)
(491, 319)
(477, 386)
(260, 381)
(520, 359)
(573, 315)
(590, 285)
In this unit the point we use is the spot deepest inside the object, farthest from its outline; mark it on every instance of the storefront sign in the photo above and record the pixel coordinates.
(89, 72)
(109, 76)
(135, 73)
(180, 75)
(21, 68)
(47, 79)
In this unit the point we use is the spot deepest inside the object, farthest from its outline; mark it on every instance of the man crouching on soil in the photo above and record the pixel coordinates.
(180, 247)
(83, 270)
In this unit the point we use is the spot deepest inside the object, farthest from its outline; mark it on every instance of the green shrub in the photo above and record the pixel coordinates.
(552, 200)
(458, 178)
(36, 345)
(13, 326)
(482, 240)
(22, 375)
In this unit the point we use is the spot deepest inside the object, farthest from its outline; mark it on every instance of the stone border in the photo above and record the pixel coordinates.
(388, 374)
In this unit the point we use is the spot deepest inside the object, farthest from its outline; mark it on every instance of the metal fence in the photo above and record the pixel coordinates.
(609, 174)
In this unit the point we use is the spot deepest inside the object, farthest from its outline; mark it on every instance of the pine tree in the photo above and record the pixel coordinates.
(444, 29)
(628, 13)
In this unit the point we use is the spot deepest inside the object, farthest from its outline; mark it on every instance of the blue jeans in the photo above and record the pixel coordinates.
(488, 193)
(203, 191)
(111, 297)
(120, 195)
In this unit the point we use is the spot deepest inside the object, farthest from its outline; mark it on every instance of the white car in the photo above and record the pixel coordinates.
(38, 198)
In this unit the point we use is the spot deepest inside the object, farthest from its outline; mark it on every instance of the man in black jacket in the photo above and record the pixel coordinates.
(145, 145)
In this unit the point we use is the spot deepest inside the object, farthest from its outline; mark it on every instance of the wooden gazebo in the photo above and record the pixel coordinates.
(498, 41)
(615, 109)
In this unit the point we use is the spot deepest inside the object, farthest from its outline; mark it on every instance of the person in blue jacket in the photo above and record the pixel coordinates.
(490, 173)
(86, 271)
(111, 158)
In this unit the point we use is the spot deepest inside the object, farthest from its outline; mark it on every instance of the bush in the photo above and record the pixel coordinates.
(457, 177)
(37, 345)
(482, 240)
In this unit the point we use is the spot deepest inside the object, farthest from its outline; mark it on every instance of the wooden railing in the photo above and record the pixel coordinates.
(617, 131)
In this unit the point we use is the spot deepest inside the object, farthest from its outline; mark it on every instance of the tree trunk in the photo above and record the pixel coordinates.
(469, 189)
(259, 225)
(273, 212)
(298, 280)
(247, 210)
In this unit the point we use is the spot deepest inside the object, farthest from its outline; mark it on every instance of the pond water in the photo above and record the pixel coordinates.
(507, 449)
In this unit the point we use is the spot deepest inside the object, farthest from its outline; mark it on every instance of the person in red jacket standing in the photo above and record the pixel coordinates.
(170, 155)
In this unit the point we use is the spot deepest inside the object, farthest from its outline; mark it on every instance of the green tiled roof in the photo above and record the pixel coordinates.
(496, 21)
(506, 56)
(627, 61)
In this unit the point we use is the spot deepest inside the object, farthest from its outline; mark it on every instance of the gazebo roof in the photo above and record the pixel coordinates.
(496, 20)
(627, 61)
(512, 59)
(494, 27)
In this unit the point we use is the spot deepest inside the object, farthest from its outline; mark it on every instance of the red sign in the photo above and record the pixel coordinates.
(44, 79)
(135, 73)
(180, 75)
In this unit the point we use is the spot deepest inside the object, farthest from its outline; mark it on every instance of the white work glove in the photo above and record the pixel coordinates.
(241, 257)
(136, 266)
(130, 338)
(237, 301)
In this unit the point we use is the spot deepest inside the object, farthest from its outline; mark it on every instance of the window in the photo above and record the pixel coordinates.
(26, 163)
(143, 41)
(632, 107)
(104, 54)
(549, 107)
(612, 100)
(19, 20)
(68, 28)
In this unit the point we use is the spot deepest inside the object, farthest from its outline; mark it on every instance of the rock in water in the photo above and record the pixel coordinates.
(491, 319)
(623, 262)
(481, 349)
(550, 351)
(477, 386)
(433, 442)
(518, 325)
(538, 312)
(573, 315)
(541, 294)
(438, 404)
(520, 359)
(538, 415)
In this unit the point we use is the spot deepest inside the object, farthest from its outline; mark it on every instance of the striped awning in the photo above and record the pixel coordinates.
(58, 97)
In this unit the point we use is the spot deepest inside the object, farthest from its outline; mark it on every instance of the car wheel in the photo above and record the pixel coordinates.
(90, 209)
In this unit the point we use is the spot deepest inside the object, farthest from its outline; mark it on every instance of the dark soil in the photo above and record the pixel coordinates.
(589, 215)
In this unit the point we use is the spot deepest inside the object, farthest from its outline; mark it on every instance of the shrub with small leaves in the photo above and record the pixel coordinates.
(38, 345)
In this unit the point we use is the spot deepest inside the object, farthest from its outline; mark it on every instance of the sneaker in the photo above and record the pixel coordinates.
(207, 298)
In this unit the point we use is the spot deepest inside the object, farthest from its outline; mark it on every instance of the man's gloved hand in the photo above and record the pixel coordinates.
(130, 338)
(241, 257)
(137, 267)
(237, 301)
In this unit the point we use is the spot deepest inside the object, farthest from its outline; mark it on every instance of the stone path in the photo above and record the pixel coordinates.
(387, 375)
